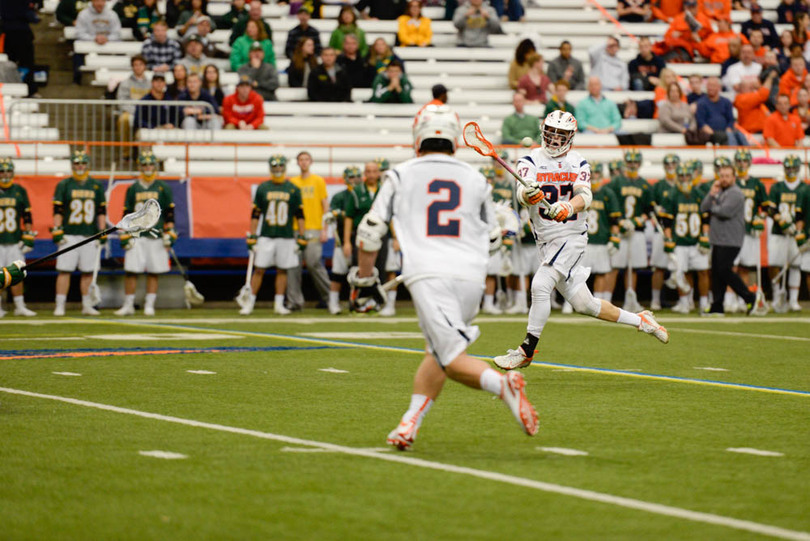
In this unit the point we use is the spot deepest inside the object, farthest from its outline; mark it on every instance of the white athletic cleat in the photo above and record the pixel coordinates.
(280, 310)
(650, 326)
(2, 312)
(492, 310)
(334, 309)
(514, 396)
(148, 310)
(794, 307)
(246, 310)
(388, 311)
(126, 310)
(517, 309)
(681, 307)
(59, 311)
(90, 311)
(403, 435)
(655, 306)
(514, 358)
(24, 311)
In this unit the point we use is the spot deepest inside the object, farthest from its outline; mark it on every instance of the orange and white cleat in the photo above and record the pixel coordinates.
(402, 436)
(513, 395)
(514, 358)
(650, 326)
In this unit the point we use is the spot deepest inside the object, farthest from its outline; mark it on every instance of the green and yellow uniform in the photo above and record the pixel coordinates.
(80, 203)
(15, 210)
(787, 202)
(634, 197)
(603, 213)
(138, 193)
(682, 214)
(281, 205)
(755, 197)
(361, 204)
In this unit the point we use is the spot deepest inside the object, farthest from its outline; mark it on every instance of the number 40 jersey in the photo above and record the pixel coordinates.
(558, 177)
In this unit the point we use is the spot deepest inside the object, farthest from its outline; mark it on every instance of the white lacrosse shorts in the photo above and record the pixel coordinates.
(564, 253)
(658, 257)
(690, 259)
(495, 264)
(393, 259)
(805, 261)
(781, 250)
(597, 258)
(339, 263)
(83, 258)
(637, 245)
(278, 252)
(9, 253)
(749, 253)
(446, 308)
(525, 260)
(147, 256)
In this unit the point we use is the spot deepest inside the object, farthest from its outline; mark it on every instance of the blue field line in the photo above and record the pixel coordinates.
(400, 349)
(113, 351)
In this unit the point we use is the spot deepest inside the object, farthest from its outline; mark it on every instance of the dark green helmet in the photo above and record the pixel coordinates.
(792, 165)
(80, 156)
(742, 155)
(6, 165)
(683, 171)
(351, 172)
(383, 163)
(696, 166)
(597, 168)
(615, 167)
(632, 155)
(672, 159)
(488, 172)
(277, 160)
(721, 161)
(147, 158)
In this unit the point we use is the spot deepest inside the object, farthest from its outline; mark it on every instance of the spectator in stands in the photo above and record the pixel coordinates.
(381, 54)
(634, 11)
(685, 32)
(716, 46)
(667, 77)
(237, 13)
(750, 102)
(757, 22)
(361, 73)
(173, 10)
(391, 86)
(95, 23)
(512, 11)
(567, 67)
(241, 47)
(596, 113)
(211, 83)
(770, 64)
(152, 116)
(715, 9)
(535, 84)
(180, 75)
(199, 117)
(645, 68)
(195, 61)
(263, 74)
(783, 51)
(127, 11)
(801, 22)
(746, 68)
(787, 9)
(386, 10)
(134, 87)
(695, 90)
(783, 128)
(209, 48)
(254, 14)
(413, 27)
(160, 52)
(715, 117)
(347, 24)
(757, 42)
(304, 29)
(519, 124)
(328, 82)
(734, 50)
(190, 18)
(303, 62)
(244, 109)
(519, 65)
(475, 21)
(802, 109)
(794, 77)
(666, 10)
(674, 114)
(68, 10)
(148, 16)
(606, 64)
(557, 101)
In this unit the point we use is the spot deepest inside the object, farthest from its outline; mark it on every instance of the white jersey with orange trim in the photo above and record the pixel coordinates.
(441, 209)
(558, 177)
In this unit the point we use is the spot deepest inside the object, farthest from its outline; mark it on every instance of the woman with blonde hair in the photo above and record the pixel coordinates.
(381, 55)
(414, 28)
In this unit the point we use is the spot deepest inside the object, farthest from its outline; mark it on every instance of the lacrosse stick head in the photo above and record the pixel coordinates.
(141, 220)
(243, 298)
(436, 122)
(474, 138)
(193, 297)
(94, 294)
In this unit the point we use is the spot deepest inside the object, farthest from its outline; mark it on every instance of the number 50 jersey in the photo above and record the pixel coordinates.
(557, 178)
(441, 209)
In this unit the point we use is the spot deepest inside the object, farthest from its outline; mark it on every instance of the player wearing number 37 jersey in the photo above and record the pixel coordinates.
(562, 177)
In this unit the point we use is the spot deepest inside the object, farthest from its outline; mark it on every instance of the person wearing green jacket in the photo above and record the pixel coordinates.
(519, 125)
(347, 24)
(241, 47)
(392, 86)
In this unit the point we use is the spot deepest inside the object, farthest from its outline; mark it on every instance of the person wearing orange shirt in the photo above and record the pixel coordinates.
(715, 47)
(750, 103)
(666, 10)
(794, 77)
(715, 9)
(682, 34)
(783, 128)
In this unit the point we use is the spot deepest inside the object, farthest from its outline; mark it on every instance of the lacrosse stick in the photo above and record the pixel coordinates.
(107, 194)
(678, 277)
(760, 305)
(193, 297)
(93, 291)
(476, 141)
(243, 298)
(134, 223)
(780, 305)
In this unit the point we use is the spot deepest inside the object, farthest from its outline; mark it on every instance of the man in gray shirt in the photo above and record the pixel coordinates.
(725, 202)
(567, 67)
(475, 21)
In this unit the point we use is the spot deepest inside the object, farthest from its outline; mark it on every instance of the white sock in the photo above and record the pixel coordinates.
(150, 300)
(420, 405)
(656, 296)
(86, 300)
(61, 300)
(392, 296)
(728, 298)
(278, 300)
(489, 301)
(491, 381)
(684, 299)
(628, 318)
(253, 298)
(793, 295)
(19, 301)
(129, 300)
(704, 302)
(334, 297)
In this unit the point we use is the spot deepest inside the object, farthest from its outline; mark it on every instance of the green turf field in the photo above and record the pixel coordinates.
(278, 427)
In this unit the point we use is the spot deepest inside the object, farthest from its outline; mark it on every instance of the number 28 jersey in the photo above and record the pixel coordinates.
(558, 177)
(442, 211)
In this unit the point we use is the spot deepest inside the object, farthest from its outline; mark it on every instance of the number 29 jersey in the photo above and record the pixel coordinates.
(442, 211)
(558, 177)
(79, 203)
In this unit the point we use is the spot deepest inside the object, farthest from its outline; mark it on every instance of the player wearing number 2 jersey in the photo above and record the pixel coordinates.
(79, 211)
(562, 177)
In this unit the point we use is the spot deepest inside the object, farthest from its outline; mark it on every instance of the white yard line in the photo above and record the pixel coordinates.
(333, 370)
(66, 373)
(752, 451)
(167, 455)
(711, 369)
(562, 451)
(742, 334)
(201, 372)
(619, 501)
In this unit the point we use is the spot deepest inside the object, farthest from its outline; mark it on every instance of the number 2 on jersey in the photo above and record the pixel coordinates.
(437, 226)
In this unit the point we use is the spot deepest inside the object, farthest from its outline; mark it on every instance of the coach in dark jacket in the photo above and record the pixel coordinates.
(725, 202)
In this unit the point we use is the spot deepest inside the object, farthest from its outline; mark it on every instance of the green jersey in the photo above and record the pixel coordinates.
(683, 209)
(755, 196)
(786, 202)
(138, 193)
(660, 192)
(359, 206)
(80, 203)
(603, 213)
(634, 195)
(503, 190)
(340, 202)
(703, 187)
(14, 205)
(280, 203)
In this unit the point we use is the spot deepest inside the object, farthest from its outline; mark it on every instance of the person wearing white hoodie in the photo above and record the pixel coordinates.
(606, 64)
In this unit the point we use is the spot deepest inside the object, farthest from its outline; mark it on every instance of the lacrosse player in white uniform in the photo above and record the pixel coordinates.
(442, 211)
(562, 176)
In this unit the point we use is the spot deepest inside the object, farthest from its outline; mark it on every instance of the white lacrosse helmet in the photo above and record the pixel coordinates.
(436, 122)
(559, 129)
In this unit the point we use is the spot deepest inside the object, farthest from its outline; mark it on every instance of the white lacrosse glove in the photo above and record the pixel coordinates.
(495, 239)
(613, 245)
(626, 226)
(560, 211)
(365, 294)
(532, 194)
